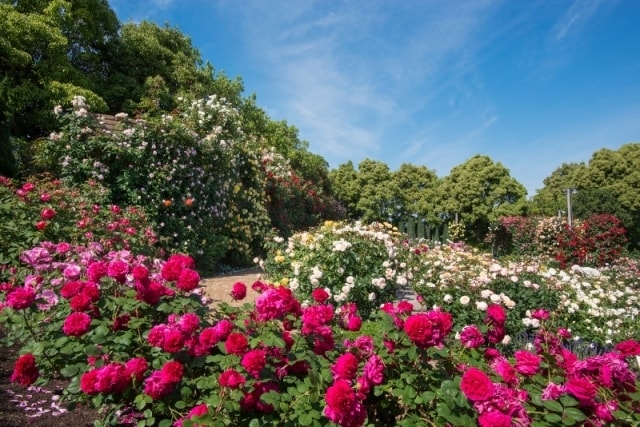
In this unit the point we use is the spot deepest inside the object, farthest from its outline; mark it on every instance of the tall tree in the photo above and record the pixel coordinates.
(344, 182)
(417, 186)
(478, 192)
(380, 198)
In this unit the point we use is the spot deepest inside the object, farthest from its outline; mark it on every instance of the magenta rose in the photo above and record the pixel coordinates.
(236, 343)
(76, 324)
(629, 348)
(345, 367)
(496, 314)
(21, 298)
(527, 363)
(471, 337)
(476, 385)
(581, 388)
(231, 378)
(494, 419)
(47, 214)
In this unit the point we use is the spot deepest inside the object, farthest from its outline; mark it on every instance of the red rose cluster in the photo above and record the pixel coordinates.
(114, 377)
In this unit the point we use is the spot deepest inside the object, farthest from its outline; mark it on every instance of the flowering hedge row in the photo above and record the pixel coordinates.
(596, 241)
(600, 306)
(134, 336)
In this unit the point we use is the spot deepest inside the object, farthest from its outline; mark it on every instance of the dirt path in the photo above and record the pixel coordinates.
(218, 288)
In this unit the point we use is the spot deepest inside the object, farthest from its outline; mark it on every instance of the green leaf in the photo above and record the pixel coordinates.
(70, 371)
(575, 414)
(164, 423)
(552, 405)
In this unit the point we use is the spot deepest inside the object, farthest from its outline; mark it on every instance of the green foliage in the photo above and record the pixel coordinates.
(480, 191)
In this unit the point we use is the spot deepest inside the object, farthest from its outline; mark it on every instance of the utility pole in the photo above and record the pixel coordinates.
(569, 214)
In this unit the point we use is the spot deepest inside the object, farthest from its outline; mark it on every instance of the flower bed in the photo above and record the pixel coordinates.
(133, 336)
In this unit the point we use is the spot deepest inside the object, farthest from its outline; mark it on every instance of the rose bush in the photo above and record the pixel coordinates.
(351, 262)
(195, 171)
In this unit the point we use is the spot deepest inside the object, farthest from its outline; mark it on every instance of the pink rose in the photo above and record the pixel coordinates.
(580, 388)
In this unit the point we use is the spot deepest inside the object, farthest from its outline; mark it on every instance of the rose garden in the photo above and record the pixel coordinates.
(99, 298)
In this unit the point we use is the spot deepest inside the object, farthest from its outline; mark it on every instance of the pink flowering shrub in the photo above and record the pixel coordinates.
(153, 351)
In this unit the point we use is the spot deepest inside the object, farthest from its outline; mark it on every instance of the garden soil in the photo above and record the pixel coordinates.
(16, 402)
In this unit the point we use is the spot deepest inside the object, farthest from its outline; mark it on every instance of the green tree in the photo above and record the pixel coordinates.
(480, 191)
(344, 182)
(417, 189)
(380, 198)
(553, 196)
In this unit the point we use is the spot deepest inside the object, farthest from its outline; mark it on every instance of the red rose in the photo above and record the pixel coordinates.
(476, 385)
(419, 328)
(236, 343)
(25, 371)
(172, 372)
(140, 272)
(88, 382)
(80, 302)
(71, 289)
(136, 368)
(76, 324)
(47, 214)
(21, 298)
(239, 291)
(188, 280)
(254, 361)
(41, 225)
(173, 340)
(231, 378)
(320, 295)
(629, 348)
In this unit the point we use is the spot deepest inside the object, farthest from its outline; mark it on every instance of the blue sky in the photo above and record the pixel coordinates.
(532, 84)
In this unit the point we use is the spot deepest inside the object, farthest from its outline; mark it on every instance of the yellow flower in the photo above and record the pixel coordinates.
(279, 258)
(284, 281)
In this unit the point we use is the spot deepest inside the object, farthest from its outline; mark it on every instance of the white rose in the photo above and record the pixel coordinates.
(464, 300)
